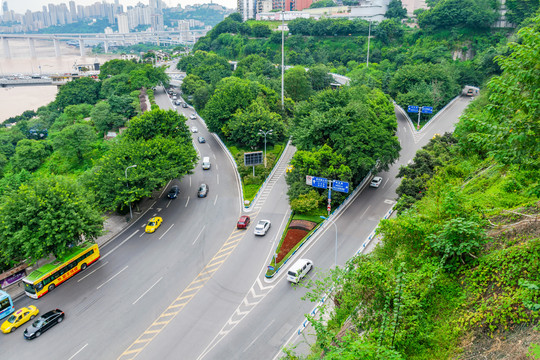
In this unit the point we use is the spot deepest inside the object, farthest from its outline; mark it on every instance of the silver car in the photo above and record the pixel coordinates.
(262, 227)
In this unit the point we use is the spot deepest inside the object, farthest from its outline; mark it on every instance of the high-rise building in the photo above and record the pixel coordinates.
(123, 23)
(248, 8)
(53, 15)
(73, 11)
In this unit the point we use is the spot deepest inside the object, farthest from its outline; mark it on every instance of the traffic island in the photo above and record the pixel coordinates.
(299, 229)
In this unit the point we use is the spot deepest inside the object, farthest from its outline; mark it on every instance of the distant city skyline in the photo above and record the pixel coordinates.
(20, 7)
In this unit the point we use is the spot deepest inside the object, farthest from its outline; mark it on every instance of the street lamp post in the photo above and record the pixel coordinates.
(130, 213)
(335, 226)
(261, 132)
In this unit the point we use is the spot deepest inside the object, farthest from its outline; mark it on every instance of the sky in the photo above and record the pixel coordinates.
(35, 5)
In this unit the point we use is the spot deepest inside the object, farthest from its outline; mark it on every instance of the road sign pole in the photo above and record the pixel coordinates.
(418, 124)
(329, 207)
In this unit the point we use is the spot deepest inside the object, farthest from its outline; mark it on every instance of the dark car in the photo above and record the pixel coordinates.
(203, 190)
(44, 323)
(201, 139)
(173, 193)
(243, 222)
(184, 105)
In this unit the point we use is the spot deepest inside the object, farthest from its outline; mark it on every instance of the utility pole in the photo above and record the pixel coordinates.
(368, 38)
(282, 56)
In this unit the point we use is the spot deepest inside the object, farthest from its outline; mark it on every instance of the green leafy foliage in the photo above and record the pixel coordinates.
(82, 90)
(75, 141)
(451, 13)
(46, 216)
(30, 154)
(159, 143)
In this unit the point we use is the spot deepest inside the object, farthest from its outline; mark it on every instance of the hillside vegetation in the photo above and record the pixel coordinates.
(457, 272)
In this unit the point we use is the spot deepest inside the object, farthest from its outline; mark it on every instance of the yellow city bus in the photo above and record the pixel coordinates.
(49, 276)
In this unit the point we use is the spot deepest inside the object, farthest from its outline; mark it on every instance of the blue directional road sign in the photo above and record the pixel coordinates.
(412, 108)
(317, 182)
(427, 109)
(341, 186)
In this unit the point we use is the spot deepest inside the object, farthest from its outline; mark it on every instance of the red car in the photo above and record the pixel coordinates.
(243, 222)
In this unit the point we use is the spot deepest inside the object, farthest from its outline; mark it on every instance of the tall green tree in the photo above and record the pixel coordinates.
(30, 154)
(103, 119)
(46, 217)
(75, 141)
(78, 91)
(297, 84)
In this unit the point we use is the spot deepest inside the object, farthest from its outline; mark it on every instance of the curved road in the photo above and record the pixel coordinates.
(196, 289)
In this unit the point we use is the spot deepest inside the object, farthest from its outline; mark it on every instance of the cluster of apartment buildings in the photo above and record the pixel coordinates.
(372, 10)
(63, 14)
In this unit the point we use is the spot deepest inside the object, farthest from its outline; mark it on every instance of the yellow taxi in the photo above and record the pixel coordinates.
(18, 318)
(153, 224)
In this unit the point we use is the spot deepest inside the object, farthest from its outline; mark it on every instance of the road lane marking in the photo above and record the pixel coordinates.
(115, 275)
(215, 201)
(81, 349)
(122, 243)
(217, 168)
(187, 202)
(96, 269)
(218, 179)
(183, 298)
(262, 332)
(365, 211)
(169, 203)
(166, 231)
(197, 238)
(144, 293)
(214, 155)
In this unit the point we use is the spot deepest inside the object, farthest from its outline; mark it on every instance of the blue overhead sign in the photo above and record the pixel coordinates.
(317, 182)
(341, 186)
(412, 108)
(427, 109)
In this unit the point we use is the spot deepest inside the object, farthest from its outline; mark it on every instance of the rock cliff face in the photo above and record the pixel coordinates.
(464, 53)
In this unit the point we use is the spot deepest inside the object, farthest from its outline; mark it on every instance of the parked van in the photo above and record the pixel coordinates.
(206, 163)
(298, 270)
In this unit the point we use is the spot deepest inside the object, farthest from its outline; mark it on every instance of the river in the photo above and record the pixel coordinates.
(15, 100)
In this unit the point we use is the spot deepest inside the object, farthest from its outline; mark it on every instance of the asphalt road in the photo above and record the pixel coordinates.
(195, 289)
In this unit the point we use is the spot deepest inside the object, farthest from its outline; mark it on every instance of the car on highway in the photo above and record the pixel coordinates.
(201, 139)
(173, 193)
(184, 105)
(177, 102)
(375, 182)
(193, 117)
(153, 224)
(203, 191)
(243, 222)
(18, 318)
(194, 129)
(299, 270)
(44, 323)
(262, 227)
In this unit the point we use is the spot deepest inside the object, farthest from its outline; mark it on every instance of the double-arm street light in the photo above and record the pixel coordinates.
(335, 226)
(261, 132)
(130, 213)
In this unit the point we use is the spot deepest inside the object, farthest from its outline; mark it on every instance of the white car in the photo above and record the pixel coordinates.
(194, 129)
(193, 116)
(375, 182)
(262, 227)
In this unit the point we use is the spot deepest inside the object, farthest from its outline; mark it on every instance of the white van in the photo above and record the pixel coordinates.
(206, 163)
(298, 270)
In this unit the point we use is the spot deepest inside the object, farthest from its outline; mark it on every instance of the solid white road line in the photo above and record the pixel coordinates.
(81, 349)
(365, 211)
(90, 273)
(122, 243)
(197, 238)
(150, 288)
(215, 201)
(112, 277)
(187, 202)
(262, 332)
(168, 203)
(166, 232)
